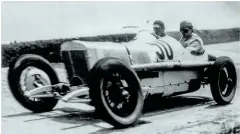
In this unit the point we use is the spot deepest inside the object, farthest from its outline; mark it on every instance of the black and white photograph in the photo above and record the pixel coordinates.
(116, 67)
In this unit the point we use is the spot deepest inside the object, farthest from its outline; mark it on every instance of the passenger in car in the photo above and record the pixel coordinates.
(190, 40)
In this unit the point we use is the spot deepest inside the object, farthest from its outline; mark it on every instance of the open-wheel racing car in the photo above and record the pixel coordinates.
(115, 78)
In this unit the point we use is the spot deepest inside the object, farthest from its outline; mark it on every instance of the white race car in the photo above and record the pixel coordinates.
(116, 77)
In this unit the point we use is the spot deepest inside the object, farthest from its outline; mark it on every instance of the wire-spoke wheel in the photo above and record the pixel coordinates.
(116, 92)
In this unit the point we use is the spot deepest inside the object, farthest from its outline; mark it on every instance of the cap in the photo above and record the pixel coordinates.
(159, 22)
(186, 24)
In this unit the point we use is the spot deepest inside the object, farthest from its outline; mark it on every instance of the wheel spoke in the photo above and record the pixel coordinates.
(112, 104)
(120, 105)
(117, 94)
(106, 93)
(225, 90)
(225, 70)
(124, 83)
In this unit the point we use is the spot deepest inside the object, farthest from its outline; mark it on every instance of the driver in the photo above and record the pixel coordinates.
(160, 34)
(159, 31)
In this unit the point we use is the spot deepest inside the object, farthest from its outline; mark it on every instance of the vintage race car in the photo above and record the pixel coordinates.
(115, 78)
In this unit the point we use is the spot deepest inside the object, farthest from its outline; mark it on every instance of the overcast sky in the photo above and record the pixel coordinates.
(23, 21)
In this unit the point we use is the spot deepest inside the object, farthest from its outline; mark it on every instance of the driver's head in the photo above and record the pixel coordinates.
(186, 28)
(159, 28)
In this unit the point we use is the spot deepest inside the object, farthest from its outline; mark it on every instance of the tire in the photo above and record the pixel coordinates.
(223, 80)
(16, 69)
(126, 110)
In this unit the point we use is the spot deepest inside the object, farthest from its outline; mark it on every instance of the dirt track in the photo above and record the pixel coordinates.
(189, 113)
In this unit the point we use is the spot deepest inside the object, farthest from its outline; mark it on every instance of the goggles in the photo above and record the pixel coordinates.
(157, 28)
(185, 30)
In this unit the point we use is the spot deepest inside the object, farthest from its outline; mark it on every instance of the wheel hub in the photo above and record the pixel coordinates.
(117, 95)
(32, 78)
(225, 82)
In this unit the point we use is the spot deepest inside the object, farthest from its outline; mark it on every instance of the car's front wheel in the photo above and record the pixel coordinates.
(115, 92)
(27, 73)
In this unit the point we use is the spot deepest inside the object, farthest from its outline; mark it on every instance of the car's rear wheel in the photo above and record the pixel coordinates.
(223, 80)
(115, 92)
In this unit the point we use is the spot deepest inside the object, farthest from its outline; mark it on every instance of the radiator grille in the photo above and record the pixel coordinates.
(76, 63)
